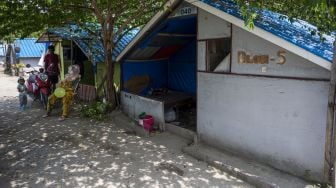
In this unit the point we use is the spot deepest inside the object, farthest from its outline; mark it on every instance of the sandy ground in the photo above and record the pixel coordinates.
(79, 152)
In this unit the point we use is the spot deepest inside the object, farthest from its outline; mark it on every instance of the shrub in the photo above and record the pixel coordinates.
(97, 110)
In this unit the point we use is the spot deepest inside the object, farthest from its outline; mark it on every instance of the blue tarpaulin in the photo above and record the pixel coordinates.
(178, 69)
(184, 25)
(182, 69)
(176, 73)
(156, 70)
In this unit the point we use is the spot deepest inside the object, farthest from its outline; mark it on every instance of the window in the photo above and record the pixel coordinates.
(218, 55)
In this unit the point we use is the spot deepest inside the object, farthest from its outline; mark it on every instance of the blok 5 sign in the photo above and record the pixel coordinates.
(245, 58)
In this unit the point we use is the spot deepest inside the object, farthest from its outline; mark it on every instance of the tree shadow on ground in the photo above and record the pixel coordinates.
(39, 152)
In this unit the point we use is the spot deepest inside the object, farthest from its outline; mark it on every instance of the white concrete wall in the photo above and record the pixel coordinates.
(133, 105)
(278, 121)
(281, 122)
(32, 61)
(295, 66)
(201, 57)
(210, 26)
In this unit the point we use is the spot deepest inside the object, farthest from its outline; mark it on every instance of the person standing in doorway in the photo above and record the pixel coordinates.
(52, 66)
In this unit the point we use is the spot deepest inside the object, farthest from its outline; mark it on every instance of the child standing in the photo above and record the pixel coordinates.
(22, 89)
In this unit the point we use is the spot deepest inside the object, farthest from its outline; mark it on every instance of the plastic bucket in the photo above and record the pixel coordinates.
(148, 122)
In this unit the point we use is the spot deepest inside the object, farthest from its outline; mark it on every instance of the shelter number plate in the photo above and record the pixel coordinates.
(185, 11)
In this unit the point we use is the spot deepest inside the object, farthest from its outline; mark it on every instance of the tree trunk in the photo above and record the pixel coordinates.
(110, 91)
(8, 64)
(110, 85)
(330, 130)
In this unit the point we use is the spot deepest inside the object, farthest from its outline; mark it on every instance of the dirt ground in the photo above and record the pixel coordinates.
(79, 152)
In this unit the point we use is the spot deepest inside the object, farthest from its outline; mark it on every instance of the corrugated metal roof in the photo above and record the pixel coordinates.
(297, 32)
(124, 42)
(90, 43)
(29, 48)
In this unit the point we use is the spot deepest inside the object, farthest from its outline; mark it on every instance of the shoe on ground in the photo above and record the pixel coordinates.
(46, 115)
(62, 118)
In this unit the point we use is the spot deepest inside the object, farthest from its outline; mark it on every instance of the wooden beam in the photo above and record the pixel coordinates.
(170, 5)
(333, 141)
(175, 35)
(48, 38)
(334, 177)
(330, 128)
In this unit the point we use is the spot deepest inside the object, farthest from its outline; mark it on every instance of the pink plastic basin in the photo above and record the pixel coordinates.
(148, 123)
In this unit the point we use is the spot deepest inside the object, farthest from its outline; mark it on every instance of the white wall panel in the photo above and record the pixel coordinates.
(281, 122)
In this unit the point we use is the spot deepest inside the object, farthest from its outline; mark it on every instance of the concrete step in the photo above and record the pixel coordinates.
(252, 172)
(179, 131)
(131, 125)
(128, 124)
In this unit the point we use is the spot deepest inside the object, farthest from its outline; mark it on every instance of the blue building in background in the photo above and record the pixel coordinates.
(30, 51)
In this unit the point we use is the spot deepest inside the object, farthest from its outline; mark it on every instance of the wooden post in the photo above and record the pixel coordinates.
(330, 129)
(333, 154)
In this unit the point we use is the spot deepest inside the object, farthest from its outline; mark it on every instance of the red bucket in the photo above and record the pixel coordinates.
(148, 122)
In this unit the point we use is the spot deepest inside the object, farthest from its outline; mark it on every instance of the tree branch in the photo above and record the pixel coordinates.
(81, 7)
(97, 11)
(119, 11)
(142, 10)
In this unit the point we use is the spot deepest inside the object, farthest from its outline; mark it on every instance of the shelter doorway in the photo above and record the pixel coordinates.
(159, 75)
(72, 54)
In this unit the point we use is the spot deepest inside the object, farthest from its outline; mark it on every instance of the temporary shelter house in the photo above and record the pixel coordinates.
(81, 46)
(259, 93)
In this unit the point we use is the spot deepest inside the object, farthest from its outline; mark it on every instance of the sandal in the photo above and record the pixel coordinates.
(46, 115)
(62, 118)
